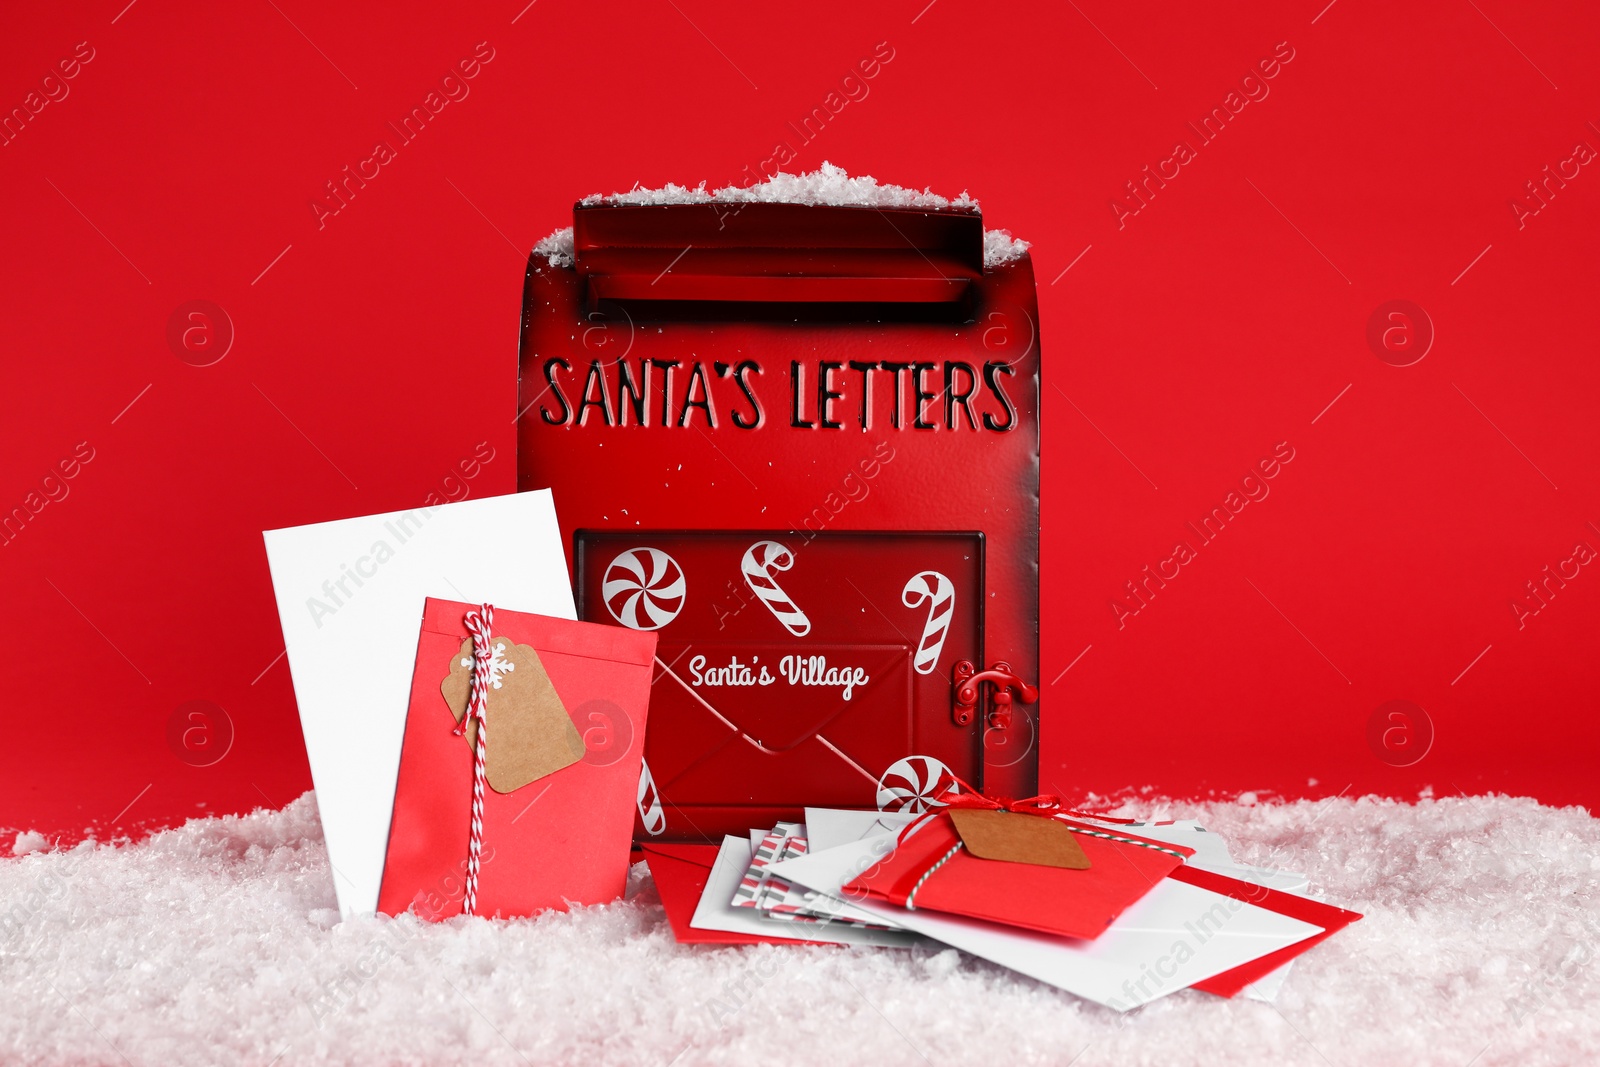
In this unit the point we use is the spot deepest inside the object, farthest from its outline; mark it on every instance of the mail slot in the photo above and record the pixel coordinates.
(801, 444)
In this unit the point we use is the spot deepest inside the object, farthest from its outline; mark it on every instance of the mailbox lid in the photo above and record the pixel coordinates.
(776, 253)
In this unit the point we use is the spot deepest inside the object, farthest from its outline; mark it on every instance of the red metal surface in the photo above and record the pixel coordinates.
(647, 417)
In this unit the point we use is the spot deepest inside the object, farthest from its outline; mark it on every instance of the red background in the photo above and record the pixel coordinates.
(371, 355)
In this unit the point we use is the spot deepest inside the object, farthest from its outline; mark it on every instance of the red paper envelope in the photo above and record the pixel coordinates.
(680, 872)
(563, 837)
(932, 870)
(1332, 919)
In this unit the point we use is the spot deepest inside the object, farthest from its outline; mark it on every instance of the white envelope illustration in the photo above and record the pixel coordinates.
(716, 912)
(350, 596)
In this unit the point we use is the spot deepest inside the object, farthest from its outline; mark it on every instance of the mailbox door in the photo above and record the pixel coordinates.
(793, 668)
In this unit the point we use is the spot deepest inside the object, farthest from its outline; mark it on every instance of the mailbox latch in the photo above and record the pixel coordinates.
(968, 682)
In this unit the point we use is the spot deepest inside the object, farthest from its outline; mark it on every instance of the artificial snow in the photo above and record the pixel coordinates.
(219, 942)
(1000, 247)
(29, 841)
(557, 249)
(827, 185)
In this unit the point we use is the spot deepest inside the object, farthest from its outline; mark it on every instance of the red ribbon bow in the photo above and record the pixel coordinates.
(1046, 804)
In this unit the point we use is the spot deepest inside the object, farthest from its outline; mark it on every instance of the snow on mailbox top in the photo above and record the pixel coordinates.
(827, 186)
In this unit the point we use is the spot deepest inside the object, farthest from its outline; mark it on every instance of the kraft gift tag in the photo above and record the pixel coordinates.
(531, 734)
(1004, 835)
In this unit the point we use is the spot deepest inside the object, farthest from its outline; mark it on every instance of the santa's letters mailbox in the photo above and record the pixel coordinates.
(801, 444)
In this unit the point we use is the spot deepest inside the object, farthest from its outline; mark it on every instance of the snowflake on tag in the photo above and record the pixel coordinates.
(498, 664)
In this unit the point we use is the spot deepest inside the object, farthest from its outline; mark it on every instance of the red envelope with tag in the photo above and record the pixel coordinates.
(565, 719)
(1036, 872)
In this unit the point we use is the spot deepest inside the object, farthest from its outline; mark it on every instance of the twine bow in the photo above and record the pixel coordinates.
(478, 624)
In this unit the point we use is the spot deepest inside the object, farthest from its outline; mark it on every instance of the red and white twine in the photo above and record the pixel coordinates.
(478, 624)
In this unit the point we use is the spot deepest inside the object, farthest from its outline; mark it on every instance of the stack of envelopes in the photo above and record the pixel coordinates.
(1117, 912)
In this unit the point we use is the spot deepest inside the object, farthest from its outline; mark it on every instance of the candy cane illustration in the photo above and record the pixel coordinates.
(760, 560)
(914, 785)
(650, 813)
(939, 593)
(643, 588)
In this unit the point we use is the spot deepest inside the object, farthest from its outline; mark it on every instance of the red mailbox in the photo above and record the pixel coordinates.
(801, 443)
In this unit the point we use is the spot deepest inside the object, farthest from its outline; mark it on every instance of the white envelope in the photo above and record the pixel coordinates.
(1172, 938)
(350, 595)
(1211, 854)
(829, 827)
(716, 912)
